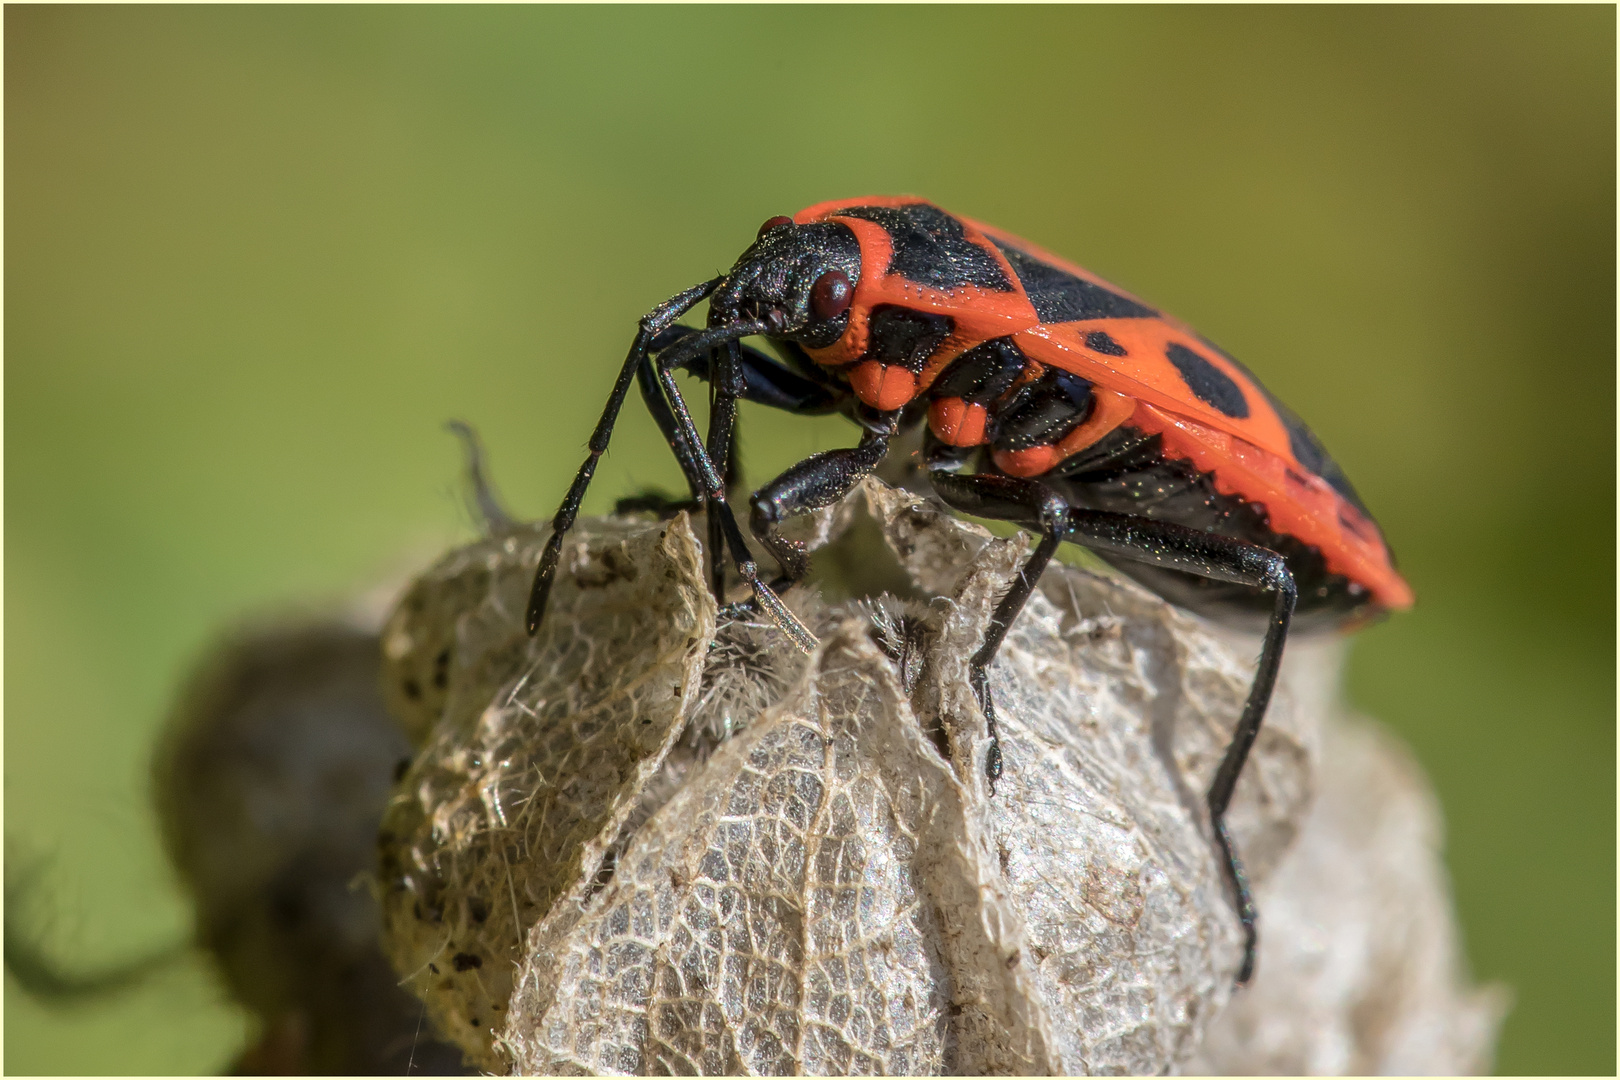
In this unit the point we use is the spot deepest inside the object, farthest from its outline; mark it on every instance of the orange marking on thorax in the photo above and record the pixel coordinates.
(882, 386)
(876, 252)
(1108, 412)
(977, 314)
(956, 422)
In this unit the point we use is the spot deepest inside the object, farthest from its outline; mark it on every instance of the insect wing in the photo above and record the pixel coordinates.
(1104, 334)
(1208, 408)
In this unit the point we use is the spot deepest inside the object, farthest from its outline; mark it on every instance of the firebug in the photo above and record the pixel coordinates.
(1050, 398)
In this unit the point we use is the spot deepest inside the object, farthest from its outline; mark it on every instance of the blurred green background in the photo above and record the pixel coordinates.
(256, 256)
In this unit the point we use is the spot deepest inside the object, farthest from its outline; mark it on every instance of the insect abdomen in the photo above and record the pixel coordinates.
(1127, 472)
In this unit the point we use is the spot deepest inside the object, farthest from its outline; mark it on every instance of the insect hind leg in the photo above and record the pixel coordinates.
(1158, 543)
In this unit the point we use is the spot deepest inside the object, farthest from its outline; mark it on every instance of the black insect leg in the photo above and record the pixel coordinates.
(815, 482)
(724, 387)
(713, 485)
(764, 382)
(655, 321)
(978, 668)
(652, 395)
(722, 418)
(1237, 751)
(755, 377)
(1160, 544)
(1029, 504)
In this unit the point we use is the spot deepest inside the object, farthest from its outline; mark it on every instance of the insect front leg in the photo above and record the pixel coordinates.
(652, 324)
(722, 448)
(754, 376)
(764, 382)
(1158, 543)
(714, 491)
(652, 395)
(725, 384)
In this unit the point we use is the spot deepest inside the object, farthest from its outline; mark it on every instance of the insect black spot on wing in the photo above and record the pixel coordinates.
(1099, 341)
(1211, 385)
(1311, 454)
(1308, 451)
(931, 248)
(1059, 296)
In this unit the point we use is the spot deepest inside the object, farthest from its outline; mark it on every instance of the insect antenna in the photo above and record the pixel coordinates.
(491, 514)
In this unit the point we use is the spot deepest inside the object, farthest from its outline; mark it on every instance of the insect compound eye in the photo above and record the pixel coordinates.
(831, 294)
(771, 223)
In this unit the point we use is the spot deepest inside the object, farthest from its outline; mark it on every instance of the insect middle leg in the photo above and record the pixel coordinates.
(1159, 543)
(817, 481)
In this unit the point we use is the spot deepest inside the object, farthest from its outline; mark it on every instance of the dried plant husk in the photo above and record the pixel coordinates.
(538, 752)
(1360, 970)
(654, 840)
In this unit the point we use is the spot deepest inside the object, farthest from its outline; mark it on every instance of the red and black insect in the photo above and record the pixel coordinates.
(1052, 399)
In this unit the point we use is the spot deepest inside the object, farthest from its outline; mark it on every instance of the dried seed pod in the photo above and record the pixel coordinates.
(270, 781)
(792, 909)
(639, 843)
(541, 750)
